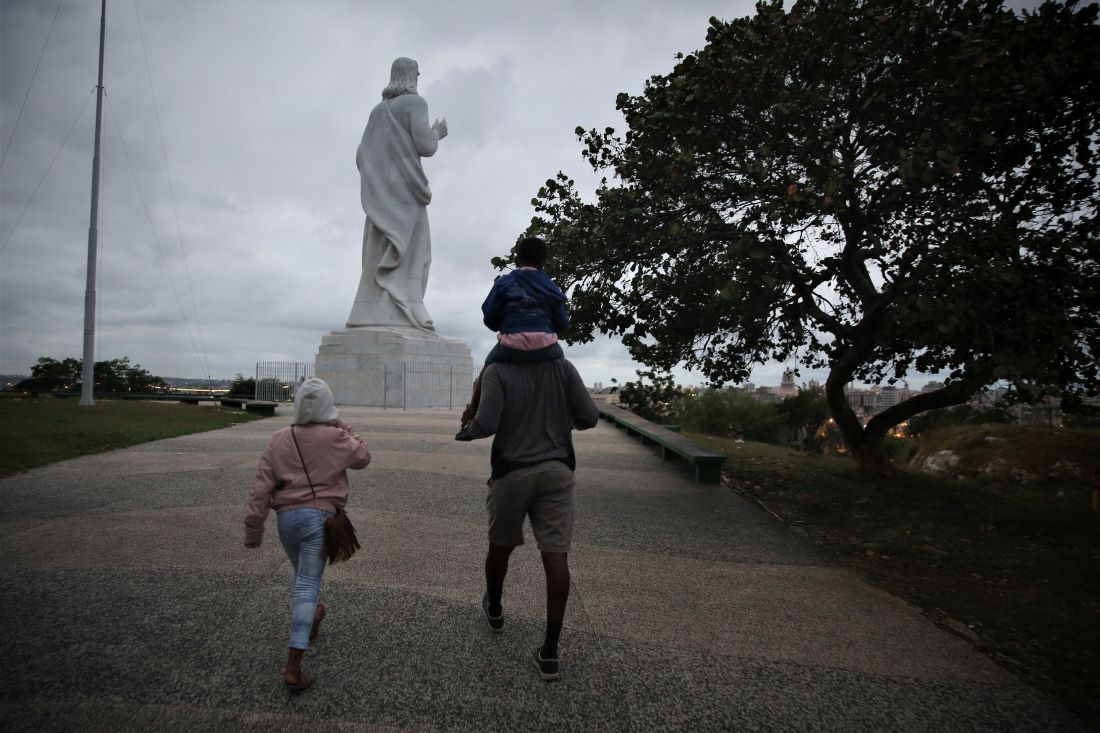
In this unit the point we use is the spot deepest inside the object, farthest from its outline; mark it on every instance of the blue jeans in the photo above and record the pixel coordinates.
(302, 532)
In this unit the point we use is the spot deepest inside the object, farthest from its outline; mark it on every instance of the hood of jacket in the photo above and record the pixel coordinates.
(537, 284)
(313, 402)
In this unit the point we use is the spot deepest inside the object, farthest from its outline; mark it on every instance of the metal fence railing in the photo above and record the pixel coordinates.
(426, 384)
(389, 384)
(277, 381)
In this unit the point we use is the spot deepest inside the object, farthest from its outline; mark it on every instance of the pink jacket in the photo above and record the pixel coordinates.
(281, 483)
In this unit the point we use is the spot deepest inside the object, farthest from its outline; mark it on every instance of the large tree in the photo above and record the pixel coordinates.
(50, 374)
(112, 376)
(873, 186)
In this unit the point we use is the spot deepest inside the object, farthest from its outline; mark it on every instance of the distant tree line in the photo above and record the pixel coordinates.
(802, 418)
(111, 377)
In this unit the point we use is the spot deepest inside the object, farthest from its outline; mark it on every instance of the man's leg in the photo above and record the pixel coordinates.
(556, 565)
(496, 567)
(551, 513)
(506, 505)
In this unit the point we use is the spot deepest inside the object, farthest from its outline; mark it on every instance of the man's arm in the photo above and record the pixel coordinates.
(581, 406)
(489, 409)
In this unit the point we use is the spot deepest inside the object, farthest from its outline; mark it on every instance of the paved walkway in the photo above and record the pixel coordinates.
(129, 603)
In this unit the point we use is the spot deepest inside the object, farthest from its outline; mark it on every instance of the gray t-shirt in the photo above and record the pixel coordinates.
(532, 408)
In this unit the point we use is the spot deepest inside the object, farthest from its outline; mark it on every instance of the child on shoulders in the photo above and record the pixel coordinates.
(527, 309)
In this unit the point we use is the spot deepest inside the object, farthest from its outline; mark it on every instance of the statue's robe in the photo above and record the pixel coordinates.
(395, 195)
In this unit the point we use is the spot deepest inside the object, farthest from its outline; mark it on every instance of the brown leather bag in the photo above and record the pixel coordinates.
(341, 541)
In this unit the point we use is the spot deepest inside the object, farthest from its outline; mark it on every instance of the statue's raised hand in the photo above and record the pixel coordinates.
(440, 127)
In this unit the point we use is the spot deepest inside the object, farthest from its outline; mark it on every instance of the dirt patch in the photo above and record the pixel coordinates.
(1014, 570)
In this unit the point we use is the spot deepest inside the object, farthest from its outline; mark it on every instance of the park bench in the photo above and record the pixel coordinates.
(260, 407)
(705, 463)
(149, 397)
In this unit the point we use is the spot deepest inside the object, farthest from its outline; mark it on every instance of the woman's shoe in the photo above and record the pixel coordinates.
(298, 682)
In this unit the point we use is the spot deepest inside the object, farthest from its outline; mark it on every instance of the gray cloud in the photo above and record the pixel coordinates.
(262, 106)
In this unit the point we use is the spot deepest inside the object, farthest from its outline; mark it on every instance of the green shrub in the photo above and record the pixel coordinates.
(729, 414)
(655, 401)
(900, 450)
(806, 411)
(242, 386)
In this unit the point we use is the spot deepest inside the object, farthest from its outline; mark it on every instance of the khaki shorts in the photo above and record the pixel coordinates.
(543, 492)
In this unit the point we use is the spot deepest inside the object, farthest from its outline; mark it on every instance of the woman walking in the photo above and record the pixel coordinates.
(303, 476)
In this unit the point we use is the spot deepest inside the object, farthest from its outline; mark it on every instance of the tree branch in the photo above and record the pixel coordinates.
(806, 296)
(956, 393)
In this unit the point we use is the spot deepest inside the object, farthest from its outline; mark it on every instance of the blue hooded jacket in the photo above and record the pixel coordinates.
(525, 301)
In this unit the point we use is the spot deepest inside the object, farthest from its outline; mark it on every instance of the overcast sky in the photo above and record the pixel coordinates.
(261, 105)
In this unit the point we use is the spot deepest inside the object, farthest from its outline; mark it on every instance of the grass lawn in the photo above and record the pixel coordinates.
(37, 431)
(1013, 568)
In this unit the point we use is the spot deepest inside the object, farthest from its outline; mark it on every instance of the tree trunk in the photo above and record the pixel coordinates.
(870, 451)
(867, 447)
(868, 444)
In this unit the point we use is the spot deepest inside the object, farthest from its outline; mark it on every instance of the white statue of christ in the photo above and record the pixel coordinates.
(397, 248)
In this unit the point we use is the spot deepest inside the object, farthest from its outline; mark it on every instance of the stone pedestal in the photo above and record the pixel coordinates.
(395, 367)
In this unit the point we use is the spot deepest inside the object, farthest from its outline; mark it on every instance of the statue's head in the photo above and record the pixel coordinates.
(403, 75)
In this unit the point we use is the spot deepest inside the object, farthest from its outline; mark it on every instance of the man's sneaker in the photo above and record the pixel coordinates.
(496, 623)
(548, 668)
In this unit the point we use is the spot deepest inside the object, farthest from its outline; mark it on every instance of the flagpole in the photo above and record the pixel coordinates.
(87, 389)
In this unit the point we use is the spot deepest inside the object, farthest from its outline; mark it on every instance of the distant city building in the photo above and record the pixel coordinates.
(787, 387)
(764, 394)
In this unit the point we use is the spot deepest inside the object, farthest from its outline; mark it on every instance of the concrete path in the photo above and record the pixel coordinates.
(129, 603)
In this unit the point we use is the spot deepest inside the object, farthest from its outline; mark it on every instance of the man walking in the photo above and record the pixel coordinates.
(531, 408)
